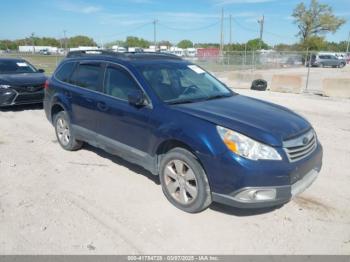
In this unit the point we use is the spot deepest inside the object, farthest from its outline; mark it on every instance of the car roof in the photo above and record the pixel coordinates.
(9, 59)
(124, 58)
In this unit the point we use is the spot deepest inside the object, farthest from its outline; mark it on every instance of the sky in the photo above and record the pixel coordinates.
(197, 20)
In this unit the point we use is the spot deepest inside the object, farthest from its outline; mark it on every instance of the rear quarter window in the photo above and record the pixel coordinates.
(65, 72)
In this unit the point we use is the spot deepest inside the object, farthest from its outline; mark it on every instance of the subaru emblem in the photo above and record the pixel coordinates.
(305, 140)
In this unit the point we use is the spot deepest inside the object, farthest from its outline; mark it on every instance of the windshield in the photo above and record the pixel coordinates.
(16, 67)
(182, 83)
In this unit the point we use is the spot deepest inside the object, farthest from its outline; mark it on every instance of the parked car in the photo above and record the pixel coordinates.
(206, 142)
(45, 52)
(326, 60)
(20, 82)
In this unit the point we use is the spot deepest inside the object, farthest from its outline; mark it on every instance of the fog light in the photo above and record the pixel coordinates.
(255, 194)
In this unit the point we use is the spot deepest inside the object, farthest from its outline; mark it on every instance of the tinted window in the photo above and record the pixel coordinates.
(323, 57)
(16, 67)
(87, 76)
(65, 72)
(119, 83)
(182, 82)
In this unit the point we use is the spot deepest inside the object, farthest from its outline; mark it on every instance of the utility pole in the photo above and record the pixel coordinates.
(348, 45)
(230, 29)
(261, 22)
(32, 37)
(155, 34)
(65, 41)
(222, 32)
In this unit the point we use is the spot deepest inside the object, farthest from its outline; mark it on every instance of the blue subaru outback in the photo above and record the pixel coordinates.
(206, 142)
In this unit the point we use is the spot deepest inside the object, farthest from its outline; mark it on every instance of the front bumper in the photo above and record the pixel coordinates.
(256, 184)
(260, 197)
(11, 97)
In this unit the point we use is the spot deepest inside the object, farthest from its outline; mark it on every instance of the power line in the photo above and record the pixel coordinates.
(189, 29)
(130, 30)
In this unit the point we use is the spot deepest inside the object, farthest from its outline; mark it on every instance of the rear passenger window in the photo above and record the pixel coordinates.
(119, 83)
(65, 72)
(88, 76)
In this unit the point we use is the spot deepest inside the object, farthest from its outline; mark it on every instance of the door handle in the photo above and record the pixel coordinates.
(102, 106)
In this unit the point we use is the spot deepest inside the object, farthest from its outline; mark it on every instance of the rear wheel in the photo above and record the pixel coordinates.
(64, 132)
(341, 65)
(184, 181)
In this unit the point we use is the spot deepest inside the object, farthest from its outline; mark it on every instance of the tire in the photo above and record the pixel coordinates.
(321, 65)
(64, 132)
(259, 85)
(341, 65)
(186, 190)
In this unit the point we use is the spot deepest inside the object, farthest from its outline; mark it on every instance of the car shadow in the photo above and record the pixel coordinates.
(228, 210)
(242, 212)
(119, 161)
(18, 108)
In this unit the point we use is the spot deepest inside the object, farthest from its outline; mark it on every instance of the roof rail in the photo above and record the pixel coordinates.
(125, 55)
(79, 53)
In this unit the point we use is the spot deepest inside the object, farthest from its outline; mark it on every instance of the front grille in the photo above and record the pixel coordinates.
(29, 88)
(28, 97)
(300, 147)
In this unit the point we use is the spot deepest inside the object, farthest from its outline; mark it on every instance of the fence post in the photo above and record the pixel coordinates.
(308, 59)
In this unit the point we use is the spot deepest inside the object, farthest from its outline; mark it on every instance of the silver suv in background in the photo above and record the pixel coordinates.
(326, 60)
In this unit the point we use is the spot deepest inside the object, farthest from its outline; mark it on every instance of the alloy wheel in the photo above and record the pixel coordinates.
(63, 131)
(180, 182)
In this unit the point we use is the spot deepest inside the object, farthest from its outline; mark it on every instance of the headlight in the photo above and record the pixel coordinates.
(4, 86)
(247, 147)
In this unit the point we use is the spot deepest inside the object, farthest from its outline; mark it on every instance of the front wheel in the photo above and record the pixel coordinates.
(341, 65)
(184, 181)
(64, 132)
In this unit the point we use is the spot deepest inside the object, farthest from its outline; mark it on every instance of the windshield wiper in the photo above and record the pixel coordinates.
(218, 96)
(185, 101)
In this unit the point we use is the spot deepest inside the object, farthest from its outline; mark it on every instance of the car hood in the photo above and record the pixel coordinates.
(22, 79)
(260, 120)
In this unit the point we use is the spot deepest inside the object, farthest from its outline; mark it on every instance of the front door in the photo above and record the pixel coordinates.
(123, 126)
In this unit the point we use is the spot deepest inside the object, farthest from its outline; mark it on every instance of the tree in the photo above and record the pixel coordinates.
(185, 44)
(80, 40)
(133, 41)
(116, 42)
(315, 20)
(256, 44)
(315, 43)
(165, 43)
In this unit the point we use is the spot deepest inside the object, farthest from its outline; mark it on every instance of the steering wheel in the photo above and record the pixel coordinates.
(190, 88)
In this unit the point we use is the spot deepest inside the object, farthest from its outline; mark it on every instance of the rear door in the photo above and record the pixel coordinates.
(87, 79)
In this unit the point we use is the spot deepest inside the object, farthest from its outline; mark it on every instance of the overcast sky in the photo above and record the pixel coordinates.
(197, 20)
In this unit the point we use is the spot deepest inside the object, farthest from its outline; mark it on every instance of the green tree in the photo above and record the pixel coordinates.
(8, 44)
(256, 44)
(315, 43)
(185, 44)
(165, 43)
(117, 42)
(80, 40)
(315, 20)
(133, 41)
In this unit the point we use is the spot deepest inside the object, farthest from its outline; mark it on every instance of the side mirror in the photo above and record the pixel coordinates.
(41, 70)
(137, 98)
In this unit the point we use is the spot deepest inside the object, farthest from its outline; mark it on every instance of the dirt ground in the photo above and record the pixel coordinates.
(88, 202)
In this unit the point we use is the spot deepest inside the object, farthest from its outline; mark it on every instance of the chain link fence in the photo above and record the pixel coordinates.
(283, 71)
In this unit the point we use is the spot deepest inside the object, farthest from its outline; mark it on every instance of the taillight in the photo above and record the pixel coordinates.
(46, 85)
